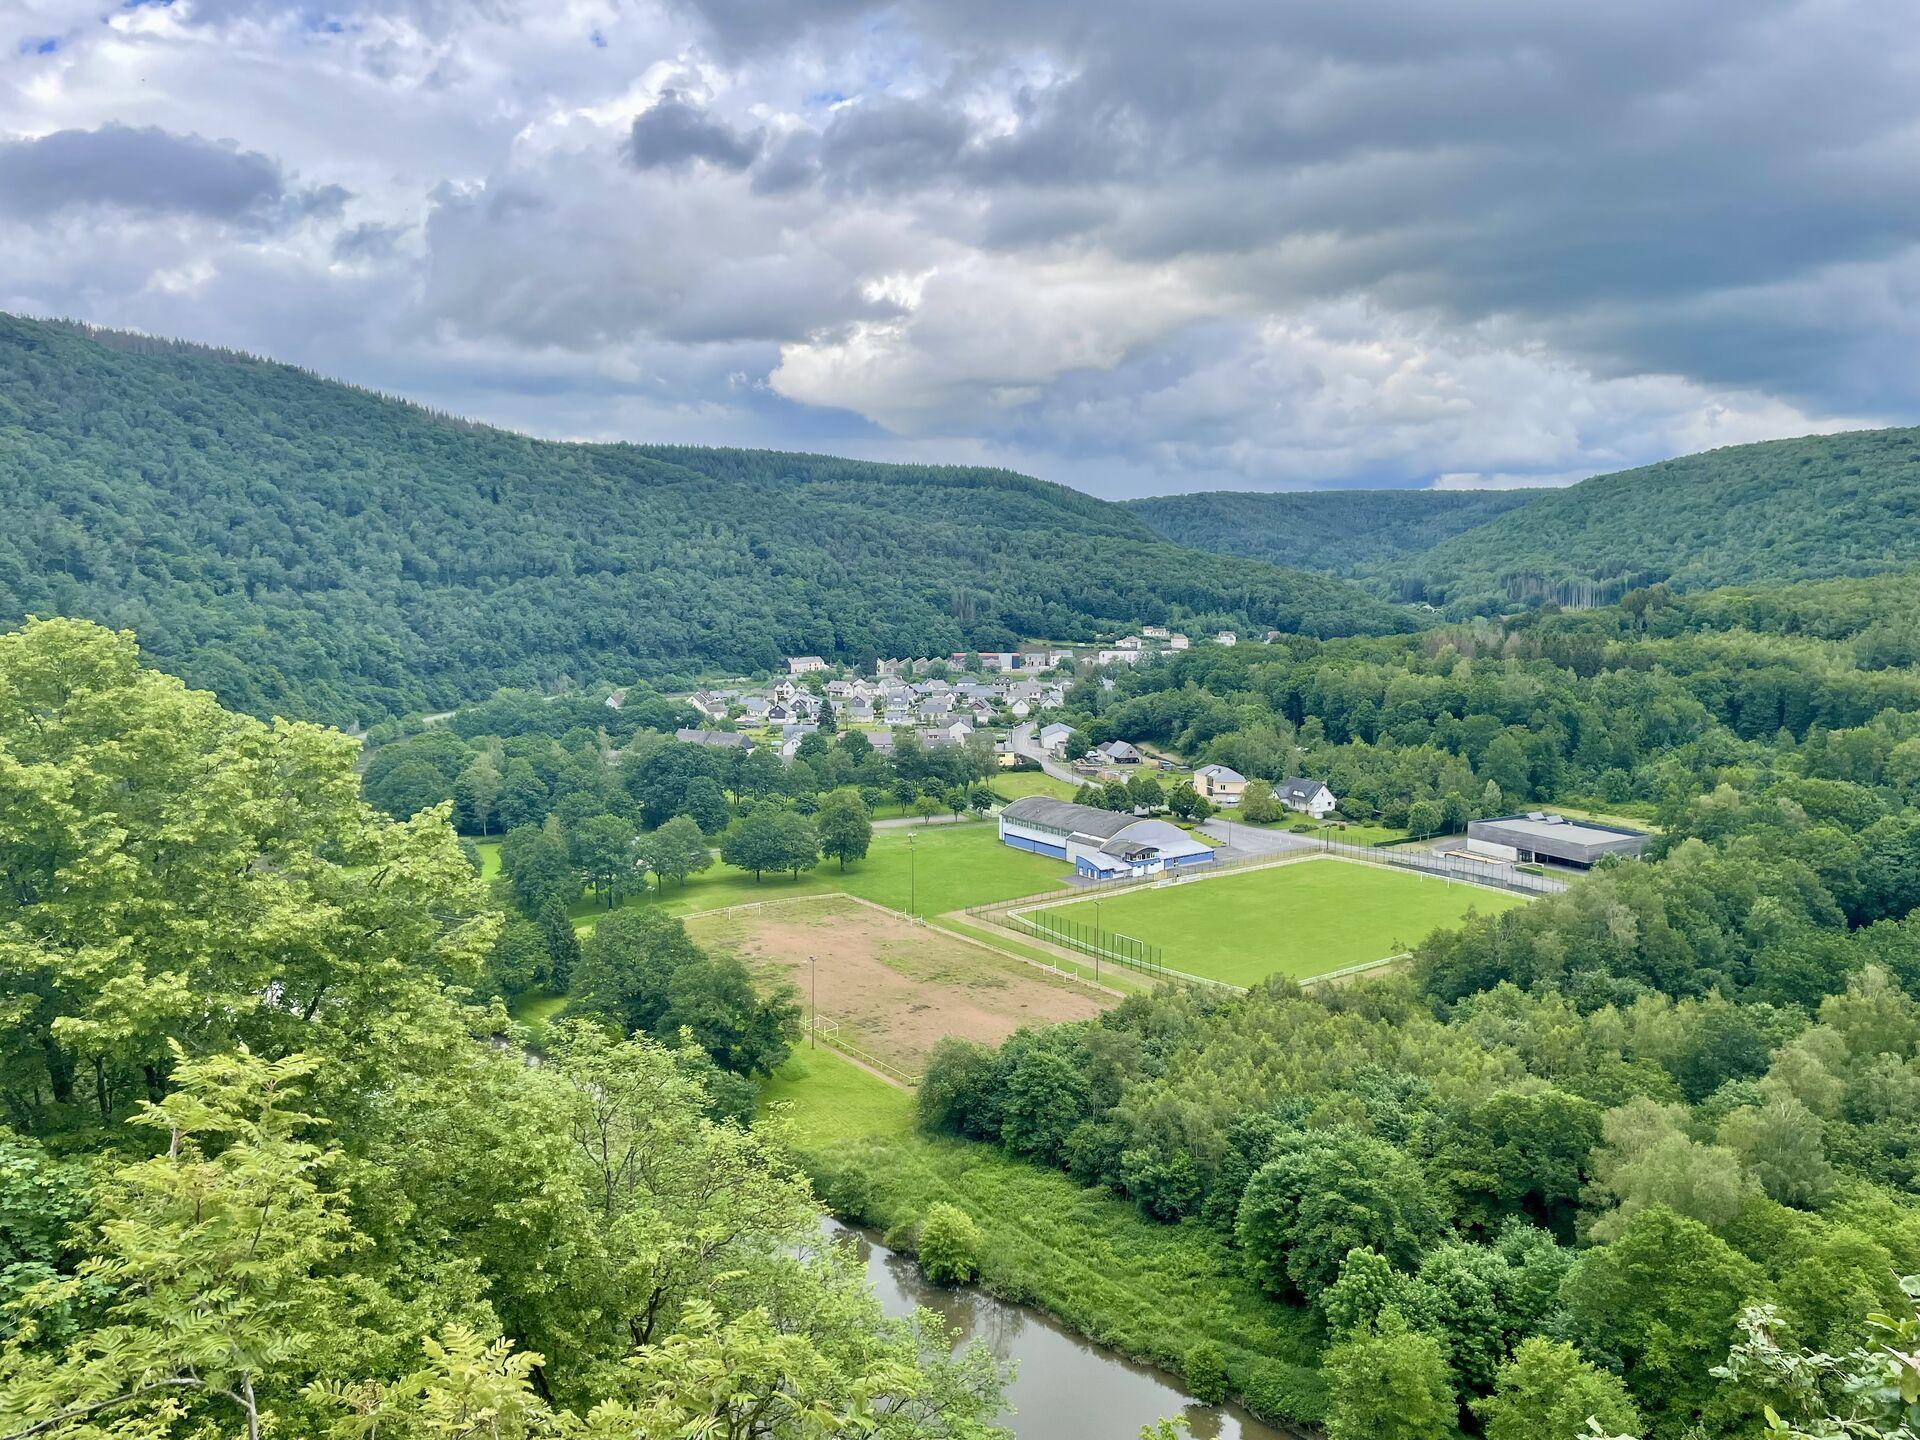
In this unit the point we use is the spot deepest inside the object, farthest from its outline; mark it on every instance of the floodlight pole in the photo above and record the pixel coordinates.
(813, 986)
(913, 878)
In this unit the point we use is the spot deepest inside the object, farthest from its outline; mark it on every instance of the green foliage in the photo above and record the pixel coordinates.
(949, 1245)
(1205, 1369)
(1389, 1383)
(337, 555)
(1548, 1388)
(1341, 532)
(1803, 509)
(1322, 1194)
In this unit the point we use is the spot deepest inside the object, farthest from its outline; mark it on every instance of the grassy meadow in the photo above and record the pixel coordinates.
(1299, 920)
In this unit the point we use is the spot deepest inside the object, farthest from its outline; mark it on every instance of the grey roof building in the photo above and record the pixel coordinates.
(716, 739)
(1538, 835)
(1065, 818)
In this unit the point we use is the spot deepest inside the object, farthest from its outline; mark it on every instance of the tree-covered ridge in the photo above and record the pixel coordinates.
(1340, 532)
(1819, 507)
(303, 547)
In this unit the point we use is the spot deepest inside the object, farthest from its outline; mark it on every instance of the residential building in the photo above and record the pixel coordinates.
(1226, 637)
(1178, 641)
(714, 739)
(1118, 752)
(804, 664)
(1100, 843)
(1054, 737)
(616, 699)
(1309, 797)
(1221, 784)
(1119, 657)
(1154, 632)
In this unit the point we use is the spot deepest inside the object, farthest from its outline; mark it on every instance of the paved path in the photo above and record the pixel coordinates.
(901, 822)
(1025, 743)
(1242, 839)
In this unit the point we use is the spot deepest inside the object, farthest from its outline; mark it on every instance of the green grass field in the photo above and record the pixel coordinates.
(829, 1101)
(938, 867)
(1297, 920)
(1016, 784)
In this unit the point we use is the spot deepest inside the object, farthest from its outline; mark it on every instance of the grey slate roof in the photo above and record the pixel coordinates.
(1065, 815)
(1298, 789)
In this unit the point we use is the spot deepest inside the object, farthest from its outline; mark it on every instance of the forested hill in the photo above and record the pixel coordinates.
(1814, 508)
(305, 547)
(1341, 532)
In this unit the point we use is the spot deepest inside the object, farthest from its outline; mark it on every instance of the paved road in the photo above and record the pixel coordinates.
(901, 822)
(1025, 743)
(1244, 839)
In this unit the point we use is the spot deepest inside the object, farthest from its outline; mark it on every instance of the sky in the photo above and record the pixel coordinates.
(1134, 248)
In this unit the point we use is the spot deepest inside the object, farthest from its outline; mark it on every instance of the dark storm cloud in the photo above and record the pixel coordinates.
(153, 171)
(675, 133)
(1499, 159)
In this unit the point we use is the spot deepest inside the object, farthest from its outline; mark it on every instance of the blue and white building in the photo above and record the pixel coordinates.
(1100, 844)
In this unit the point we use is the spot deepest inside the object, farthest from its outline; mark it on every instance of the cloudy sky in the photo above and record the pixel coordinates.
(1133, 247)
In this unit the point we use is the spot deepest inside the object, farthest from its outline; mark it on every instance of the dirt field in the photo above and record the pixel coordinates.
(894, 988)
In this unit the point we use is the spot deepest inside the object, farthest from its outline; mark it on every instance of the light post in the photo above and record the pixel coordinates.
(813, 987)
(913, 878)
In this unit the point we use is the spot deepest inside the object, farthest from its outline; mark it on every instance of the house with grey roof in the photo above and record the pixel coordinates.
(1309, 797)
(1221, 784)
(714, 739)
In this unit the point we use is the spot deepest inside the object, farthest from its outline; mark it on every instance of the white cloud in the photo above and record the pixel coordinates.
(1249, 245)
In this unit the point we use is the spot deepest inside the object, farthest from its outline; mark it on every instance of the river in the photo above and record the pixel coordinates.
(1066, 1388)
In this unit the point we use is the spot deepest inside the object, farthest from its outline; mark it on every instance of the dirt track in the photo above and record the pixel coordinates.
(894, 987)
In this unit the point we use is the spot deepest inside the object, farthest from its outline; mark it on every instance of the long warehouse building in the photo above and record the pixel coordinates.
(1538, 835)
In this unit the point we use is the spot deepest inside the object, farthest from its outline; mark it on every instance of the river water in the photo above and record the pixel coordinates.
(1066, 1388)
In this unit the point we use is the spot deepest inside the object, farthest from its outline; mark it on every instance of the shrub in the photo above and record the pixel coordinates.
(1280, 1391)
(949, 1245)
(1206, 1371)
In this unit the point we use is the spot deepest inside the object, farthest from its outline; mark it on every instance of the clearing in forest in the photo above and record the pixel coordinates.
(889, 989)
(1299, 919)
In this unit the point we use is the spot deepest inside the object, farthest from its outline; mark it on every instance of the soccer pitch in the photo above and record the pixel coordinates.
(1300, 919)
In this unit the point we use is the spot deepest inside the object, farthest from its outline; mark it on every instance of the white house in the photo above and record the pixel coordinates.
(1177, 641)
(1226, 637)
(804, 664)
(1154, 632)
(1309, 797)
(782, 690)
(1119, 657)
(1054, 737)
(1100, 844)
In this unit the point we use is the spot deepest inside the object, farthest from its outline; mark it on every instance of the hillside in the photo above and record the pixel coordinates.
(305, 547)
(1339, 532)
(1815, 508)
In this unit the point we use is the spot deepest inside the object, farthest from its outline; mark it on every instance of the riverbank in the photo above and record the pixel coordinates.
(1154, 1293)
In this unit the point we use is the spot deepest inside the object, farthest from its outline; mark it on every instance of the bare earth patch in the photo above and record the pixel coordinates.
(894, 988)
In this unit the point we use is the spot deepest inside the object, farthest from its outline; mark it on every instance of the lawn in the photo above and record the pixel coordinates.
(1017, 784)
(1298, 919)
(935, 867)
(830, 1101)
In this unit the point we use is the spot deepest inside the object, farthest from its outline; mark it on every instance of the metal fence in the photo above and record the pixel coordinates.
(829, 1034)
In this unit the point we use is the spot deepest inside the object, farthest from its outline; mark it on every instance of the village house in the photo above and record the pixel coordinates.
(1226, 637)
(714, 739)
(1118, 752)
(1220, 784)
(1178, 642)
(1054, 737)
(804, 664)
(1154, 632)
(1309, 797)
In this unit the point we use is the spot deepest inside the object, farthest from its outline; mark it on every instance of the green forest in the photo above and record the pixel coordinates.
(1820, 507)
(1338, 532)
(306, 548)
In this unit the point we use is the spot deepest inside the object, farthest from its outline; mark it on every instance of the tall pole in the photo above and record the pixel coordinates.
(913, 877)
(813, 985)
(1098, 931)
